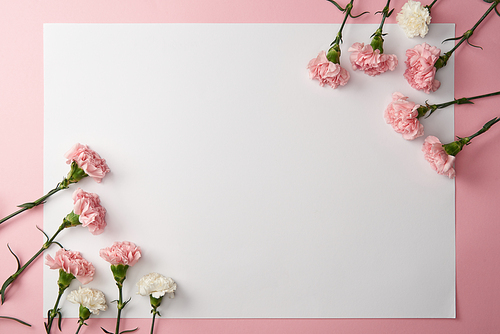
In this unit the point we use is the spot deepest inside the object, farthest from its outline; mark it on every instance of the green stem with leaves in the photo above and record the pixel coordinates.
(75, 174)
(120, 305)
(79, 327)
(53, 313)
(30, 205)
(454, 147)
(443, 60)
(378, 40)
(333, 54)
(20, 269)
(155, 312)
(119, 274)
(423, 109)
(63, 282)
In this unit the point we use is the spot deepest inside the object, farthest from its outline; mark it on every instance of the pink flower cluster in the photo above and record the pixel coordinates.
(125, 252)
(420, 70)
(88, 207)
(371, 62)
(435, 154)
(72, 263)
(88, 160)
(326, 72)
(402, 114)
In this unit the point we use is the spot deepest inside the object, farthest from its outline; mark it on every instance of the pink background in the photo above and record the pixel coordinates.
(21, 135)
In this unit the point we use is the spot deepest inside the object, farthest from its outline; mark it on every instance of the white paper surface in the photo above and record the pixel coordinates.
(261, 193)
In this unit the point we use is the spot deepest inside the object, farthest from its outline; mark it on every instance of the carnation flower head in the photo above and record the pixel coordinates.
(92, 299)
(327, 72)
(402, 115)
(414, 19)
(437, 157)
(88, 160)
(73, 263)
(124, 253)
(90, 211)
(370, 61)
(420, 70)
(156, 285)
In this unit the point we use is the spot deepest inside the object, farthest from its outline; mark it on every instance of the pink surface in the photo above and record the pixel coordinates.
(21, 135)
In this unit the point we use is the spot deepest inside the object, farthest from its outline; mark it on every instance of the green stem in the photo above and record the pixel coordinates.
(430, 6)
(455, 147)
(484, 95)
(30, 205)
(441, 62)
(153, 321)
(79, 327)
(464, 100)
(348, 9)
(485, 128)
(377, 41)
(385, 14)
(19, 271)
(120, 307)
(54, 312)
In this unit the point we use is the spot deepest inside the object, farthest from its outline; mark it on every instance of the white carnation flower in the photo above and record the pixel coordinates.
(90, 298)
(414, 19)
(156, 285)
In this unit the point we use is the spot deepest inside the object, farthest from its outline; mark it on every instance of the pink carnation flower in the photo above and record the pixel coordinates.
(435, 154)
(371, 62)
(72, 263)
(88, 160)
(402, 116)
(326, 72)
(420, 70)
(125, 253)
(88, 207)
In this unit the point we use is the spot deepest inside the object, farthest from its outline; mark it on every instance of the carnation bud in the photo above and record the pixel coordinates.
(84, 313)
(333, 54)
(71, 220)
(119, 272)
(377, 42)
(75, 174)
(64, 279)
(454, 147)
(155, 302)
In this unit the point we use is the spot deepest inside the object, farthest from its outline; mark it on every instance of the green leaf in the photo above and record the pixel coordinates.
(15, 319)
(337, 5)
(356, 16)
(17, 259)
(45, 234)
(476, 46)
(28, 205)
(129, 330)
(452, 39)
(59, 321)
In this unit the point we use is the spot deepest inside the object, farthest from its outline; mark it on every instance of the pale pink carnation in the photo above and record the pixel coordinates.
(402, 114)
(326, 72)
(435, 154)
(371, 62)
(420, 70)
(88, 160)
(88, 207)
(125, 252)
(72, 263)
